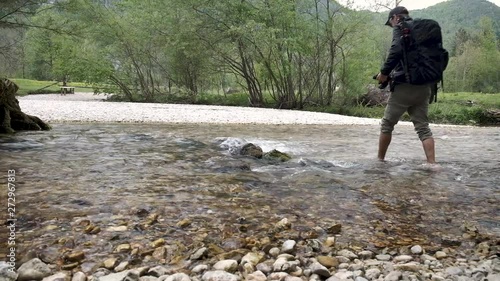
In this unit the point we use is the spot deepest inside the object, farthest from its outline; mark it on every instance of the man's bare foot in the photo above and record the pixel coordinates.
(434, 167)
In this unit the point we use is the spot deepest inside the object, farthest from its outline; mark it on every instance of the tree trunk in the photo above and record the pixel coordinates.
(301, 98)
(12, 119)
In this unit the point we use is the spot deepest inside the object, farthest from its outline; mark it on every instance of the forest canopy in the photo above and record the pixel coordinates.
(297, 52)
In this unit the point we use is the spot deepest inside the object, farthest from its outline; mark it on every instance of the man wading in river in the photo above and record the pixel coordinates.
(411, 81)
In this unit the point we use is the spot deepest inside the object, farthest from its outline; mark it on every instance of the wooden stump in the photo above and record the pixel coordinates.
(12, 119)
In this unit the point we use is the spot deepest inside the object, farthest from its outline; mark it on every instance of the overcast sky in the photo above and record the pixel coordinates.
(409, 4)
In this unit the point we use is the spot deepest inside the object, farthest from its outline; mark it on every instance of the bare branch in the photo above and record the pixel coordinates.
(16, 10)
(386, 4)
(55, 30)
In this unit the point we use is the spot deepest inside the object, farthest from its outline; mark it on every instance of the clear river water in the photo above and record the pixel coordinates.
(117, 174)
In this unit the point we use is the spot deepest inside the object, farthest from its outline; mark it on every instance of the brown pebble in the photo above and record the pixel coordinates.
(110, 263)
(328, 261)
(95, 230)
(184, 223)
(89, 228)
(158, 242)
(84, 223)
(69, 266)
(75, 256)
(147, 252)
(123, 248)
(334, 229)
(159, 253)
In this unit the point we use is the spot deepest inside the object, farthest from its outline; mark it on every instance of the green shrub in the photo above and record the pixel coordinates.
(238, 99)
(41, 92)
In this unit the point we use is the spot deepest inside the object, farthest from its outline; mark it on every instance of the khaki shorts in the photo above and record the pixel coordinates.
(413, 99)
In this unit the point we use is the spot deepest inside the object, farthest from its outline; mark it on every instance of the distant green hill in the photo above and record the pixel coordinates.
(455, 14)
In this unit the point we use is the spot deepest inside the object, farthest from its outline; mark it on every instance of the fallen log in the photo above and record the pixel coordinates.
(12, 119)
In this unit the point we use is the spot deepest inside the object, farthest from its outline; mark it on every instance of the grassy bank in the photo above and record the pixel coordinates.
(33, 87)
(464, 108)
(451, 108)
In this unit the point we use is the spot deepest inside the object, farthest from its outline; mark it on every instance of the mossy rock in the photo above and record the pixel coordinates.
(277, 156)
(251, 149)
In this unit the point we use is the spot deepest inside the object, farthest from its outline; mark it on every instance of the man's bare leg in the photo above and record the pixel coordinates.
(383, 145)
(430, 153)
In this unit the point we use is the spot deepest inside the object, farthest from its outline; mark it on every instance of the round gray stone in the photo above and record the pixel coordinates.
(34, 269)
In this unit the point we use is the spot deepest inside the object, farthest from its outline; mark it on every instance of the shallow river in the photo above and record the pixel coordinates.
(114, 174)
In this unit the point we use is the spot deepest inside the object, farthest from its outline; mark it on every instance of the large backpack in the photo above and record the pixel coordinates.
(425, 59)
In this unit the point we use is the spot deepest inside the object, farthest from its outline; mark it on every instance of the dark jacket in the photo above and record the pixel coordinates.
(394, 61)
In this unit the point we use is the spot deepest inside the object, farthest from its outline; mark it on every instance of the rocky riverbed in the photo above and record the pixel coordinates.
(282, 254)
(268, 258)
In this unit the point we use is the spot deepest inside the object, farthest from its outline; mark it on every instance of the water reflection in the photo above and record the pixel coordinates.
(110, 173)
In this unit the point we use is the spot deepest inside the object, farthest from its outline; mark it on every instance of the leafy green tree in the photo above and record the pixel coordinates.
(226, 28)
(461, 74)
(488, 64)
(461, 37)
(477, 67)
(13, 12)
(41, 51)
(14, 19)
(65, 55)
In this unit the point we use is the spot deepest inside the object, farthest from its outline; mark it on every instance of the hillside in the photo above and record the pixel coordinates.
(456, 14)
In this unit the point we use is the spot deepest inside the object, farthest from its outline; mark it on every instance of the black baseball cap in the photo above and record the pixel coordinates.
(396, 11)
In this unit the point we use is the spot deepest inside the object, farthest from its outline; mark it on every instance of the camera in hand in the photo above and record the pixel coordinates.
(382, 85)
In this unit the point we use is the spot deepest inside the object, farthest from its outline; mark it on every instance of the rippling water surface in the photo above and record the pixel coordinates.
(113, 174)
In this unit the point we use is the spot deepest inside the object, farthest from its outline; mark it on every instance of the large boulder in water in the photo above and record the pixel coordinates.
(251, 149)
(276, 155)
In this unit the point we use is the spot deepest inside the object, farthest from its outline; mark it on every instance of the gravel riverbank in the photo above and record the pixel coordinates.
(87, 107)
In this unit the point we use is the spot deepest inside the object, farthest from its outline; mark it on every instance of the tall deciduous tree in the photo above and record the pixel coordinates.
(476, 66)
(14, 18)
(65, 55)
(461, 37)
(16, 13)
(297, 51)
